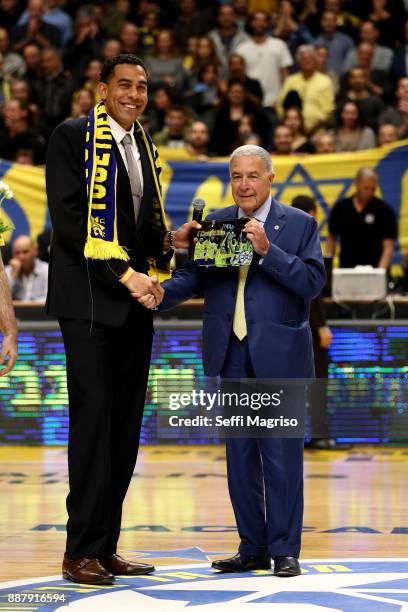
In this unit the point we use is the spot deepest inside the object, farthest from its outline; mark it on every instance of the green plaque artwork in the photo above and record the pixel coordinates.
(223, 244)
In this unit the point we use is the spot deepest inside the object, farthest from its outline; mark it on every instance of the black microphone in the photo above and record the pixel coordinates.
(198, 209)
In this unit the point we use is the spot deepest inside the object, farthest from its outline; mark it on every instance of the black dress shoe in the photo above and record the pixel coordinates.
(286, 566)
(242, 563)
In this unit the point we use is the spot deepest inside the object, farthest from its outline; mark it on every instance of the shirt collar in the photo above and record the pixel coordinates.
(260, 213)
(118, 132)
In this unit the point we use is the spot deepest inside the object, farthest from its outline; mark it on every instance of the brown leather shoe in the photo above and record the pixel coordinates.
(86, 571)
(120, 567)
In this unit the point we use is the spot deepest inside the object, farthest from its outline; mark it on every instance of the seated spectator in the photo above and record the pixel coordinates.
(20, 90)
(285, 26)
(148, 32)
(191, 50)
(13, 65)
(382, 55)
(388, 24)
(282, 140)
(227, 36)
(34, 70)
(322, 57)
(159, 105)
(387, 134)
(398, 113)
(27, 275)
(82, 103)
(205, 93)
(399, 66)
(92, 75)
(225, 130)
(17, 133)
(347, 21)
(237, 72)
(86, 43)
(35, 30)
(110, 48)
(371, 105)
(197, 140)
(10, 11)
(315, 91)
(293, 119)
(325, 143)
(165, 65)
(241, 12)
(365, 226)
(338, 43)
(350, 132)
(129, 38)
(56, 91)
(54, 16)
(174, 132)
(204, 54)
(114, 16)
(378, 81)
(246, 130)
(189, 23)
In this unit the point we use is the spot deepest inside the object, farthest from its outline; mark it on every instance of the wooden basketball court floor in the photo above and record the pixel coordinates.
(356, 505)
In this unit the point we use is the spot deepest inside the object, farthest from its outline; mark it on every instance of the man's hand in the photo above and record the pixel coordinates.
(181, 237)
(256, 233)
(325, 337)
(15, 267)
(8, 355)
(142, 285)
(149, 301)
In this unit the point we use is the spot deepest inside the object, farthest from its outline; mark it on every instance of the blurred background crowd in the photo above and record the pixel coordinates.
(297, 77)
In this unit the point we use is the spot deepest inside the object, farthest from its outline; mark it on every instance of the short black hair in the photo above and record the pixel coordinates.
(305, 203)
(122, 58)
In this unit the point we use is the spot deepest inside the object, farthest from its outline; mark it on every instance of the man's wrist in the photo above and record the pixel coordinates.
(126, 275)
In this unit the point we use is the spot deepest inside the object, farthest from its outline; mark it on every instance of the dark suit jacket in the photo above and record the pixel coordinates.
(277, 296)
(90, 289)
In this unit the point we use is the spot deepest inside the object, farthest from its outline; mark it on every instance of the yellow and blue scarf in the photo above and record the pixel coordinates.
(101, 176)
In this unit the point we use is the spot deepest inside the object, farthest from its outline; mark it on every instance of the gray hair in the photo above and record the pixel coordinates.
(364, 172)
(302, 48)
(251, 150)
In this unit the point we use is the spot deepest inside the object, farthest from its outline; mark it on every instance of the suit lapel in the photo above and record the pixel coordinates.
(147, 199)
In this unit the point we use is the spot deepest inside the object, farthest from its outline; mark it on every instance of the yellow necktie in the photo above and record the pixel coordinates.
(239, 326)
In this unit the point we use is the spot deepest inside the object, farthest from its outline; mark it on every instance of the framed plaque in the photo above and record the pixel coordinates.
(222, 244)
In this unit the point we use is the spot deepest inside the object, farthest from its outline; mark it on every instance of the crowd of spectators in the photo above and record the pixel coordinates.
(297, 77)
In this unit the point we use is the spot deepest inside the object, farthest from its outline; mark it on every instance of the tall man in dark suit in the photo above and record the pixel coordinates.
(256, 325)
(106, 224)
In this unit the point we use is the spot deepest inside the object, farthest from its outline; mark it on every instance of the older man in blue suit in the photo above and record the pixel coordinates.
(256, 325)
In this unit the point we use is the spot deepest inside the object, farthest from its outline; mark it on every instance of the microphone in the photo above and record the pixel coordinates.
(198, 209)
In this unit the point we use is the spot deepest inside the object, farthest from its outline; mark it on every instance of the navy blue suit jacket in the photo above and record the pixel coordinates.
(277, 297)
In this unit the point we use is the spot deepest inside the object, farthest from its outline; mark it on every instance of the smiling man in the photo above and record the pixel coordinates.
(106, 209)
(256, 326)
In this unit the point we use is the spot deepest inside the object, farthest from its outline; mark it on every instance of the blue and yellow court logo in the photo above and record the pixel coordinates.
(360, 585)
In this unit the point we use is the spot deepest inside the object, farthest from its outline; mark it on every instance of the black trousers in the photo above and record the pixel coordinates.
(107, 372)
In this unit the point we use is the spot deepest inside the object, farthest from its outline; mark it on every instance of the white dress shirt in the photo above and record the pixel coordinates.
(118, 133)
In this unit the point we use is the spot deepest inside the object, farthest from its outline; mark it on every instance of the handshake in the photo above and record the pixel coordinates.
(146, 289)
